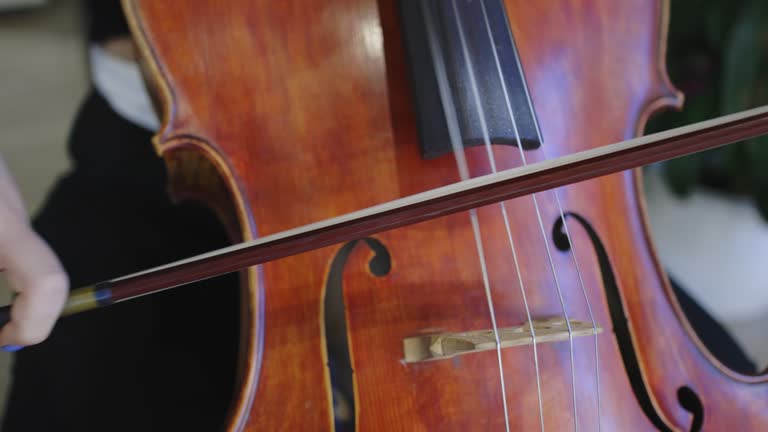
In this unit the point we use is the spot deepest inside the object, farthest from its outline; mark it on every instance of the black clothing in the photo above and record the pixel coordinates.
(716, 338)
(161, 362)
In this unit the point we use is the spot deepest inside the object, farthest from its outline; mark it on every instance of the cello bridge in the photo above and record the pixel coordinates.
(446, 345)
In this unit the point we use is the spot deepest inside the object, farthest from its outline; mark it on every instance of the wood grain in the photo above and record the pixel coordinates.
(306, 112)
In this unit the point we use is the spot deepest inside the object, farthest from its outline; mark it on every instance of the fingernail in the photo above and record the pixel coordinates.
(11, 348)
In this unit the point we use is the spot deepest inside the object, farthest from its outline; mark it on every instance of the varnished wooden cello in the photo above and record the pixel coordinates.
(281, 114)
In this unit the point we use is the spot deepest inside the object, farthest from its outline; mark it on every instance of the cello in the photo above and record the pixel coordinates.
(548, 311)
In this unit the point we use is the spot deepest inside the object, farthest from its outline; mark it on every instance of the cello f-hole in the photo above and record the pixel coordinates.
(337, 343)
(690, 401)
(616, 310)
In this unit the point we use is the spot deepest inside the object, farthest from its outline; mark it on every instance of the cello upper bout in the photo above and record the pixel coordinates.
(155, 81)
(665, 95)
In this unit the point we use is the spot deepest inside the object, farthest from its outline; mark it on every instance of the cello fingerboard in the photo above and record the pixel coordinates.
(466, 47)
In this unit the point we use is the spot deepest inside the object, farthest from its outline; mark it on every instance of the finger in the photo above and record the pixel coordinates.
(33, 315)
(34, 272)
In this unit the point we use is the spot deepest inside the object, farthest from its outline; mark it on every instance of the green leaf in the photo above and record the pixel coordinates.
(742, 58)
(761, 198)
(757, 153)
(682, 174)
(737, 168)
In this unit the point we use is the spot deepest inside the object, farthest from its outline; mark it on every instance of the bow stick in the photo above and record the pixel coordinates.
(465, 195)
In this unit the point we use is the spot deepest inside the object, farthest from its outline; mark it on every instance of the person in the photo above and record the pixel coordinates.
(34, 272)
(162, 362)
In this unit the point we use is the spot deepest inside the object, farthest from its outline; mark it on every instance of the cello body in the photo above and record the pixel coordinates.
(279, 114)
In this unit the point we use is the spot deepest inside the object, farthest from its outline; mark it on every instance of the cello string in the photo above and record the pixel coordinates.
(559, 206)
(481, 114)
(505, 216)
(458, 150)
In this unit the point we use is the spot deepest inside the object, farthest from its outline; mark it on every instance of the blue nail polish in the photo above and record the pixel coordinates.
(11, 348)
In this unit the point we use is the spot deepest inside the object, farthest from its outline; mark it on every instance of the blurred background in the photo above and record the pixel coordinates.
(708, 212)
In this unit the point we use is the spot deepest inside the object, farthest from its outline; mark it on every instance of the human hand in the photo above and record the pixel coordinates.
(32, 270)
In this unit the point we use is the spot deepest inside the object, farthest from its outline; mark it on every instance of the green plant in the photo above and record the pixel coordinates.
(717, 57)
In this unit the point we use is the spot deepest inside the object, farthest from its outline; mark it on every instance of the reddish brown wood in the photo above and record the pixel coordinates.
(305, 111)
